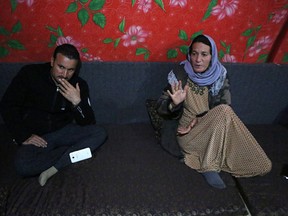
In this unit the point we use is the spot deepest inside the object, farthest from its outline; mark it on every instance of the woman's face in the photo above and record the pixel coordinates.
(200, 57)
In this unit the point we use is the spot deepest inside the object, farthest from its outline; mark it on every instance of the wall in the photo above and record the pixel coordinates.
(247, 31)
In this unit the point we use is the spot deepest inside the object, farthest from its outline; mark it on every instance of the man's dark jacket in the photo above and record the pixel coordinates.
(33, 105)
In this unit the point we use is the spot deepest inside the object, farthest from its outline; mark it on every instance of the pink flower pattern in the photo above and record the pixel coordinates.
(69, 40)
(90, 57)
(28, 2)
(158, 28)
(226, 8)
(261, 44)
(279, 16)
(181, 3)
(144, 5)
(134, 35)
(229, 58)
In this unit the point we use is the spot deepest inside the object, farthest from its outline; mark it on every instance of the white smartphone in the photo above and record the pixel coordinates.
(80, 155)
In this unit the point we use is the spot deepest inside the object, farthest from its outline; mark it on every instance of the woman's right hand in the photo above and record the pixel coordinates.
(185, 130)
(178, 94)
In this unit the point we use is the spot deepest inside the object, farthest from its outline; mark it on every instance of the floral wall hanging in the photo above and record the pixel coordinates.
(143, 30)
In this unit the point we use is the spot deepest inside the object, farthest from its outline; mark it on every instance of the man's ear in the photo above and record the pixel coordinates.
(52, 61)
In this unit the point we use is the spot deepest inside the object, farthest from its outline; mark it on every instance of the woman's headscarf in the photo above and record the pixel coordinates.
(214, 75)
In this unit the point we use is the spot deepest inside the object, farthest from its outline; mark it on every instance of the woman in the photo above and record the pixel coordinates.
(211, 136)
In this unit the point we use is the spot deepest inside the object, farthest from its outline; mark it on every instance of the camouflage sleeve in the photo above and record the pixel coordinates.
(224, 96)
(225, 93)
(166, 108)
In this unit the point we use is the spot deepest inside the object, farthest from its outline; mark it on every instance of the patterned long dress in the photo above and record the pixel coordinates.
(219, 141)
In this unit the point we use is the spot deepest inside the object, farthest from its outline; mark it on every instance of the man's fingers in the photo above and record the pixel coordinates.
(65, 85)
(35, 140)
(41, 142)
(77, 87)
(65, 82)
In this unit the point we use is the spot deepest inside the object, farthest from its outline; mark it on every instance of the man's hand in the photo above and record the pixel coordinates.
(71, 93)
(35, 140)
(178, 94)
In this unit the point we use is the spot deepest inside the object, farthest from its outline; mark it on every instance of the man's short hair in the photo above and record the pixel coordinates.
(67, 50)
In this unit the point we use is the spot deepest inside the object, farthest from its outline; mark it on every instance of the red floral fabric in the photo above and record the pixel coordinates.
(143, 30)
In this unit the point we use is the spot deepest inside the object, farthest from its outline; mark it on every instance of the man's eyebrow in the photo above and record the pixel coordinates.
(60, 65)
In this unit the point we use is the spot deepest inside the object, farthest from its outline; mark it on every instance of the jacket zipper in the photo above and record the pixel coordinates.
(81, 112)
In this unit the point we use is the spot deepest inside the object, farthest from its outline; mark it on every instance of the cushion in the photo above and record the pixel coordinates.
(282, 118)
(155, 119)
(168, 138)
(165, 129)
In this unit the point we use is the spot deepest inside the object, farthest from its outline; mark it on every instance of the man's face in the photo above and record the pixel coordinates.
(200, 57)
(62, 67)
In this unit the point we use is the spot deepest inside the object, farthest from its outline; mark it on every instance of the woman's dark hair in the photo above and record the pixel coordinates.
(203, 39)
(69, 51)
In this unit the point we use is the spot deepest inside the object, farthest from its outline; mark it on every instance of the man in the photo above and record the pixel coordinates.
(47, 110)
